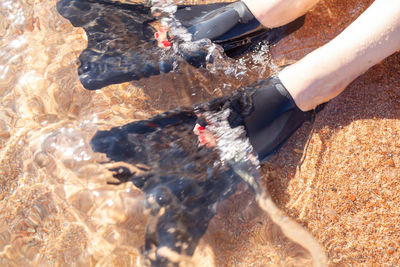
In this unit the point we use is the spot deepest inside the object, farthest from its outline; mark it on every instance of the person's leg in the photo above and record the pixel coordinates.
(325, 73)
(275, 13)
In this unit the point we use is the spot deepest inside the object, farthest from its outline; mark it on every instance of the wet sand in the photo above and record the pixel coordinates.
(337, 177)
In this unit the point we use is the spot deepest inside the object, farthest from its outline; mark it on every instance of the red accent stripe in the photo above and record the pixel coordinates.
(166, 43)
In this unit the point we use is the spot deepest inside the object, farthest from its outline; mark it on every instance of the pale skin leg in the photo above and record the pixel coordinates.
(325, 73)
(275, 13)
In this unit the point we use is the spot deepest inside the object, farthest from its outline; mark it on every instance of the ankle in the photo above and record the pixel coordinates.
(313, 80)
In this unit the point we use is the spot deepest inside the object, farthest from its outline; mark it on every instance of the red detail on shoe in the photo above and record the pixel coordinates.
(156, 35)
(166, 43)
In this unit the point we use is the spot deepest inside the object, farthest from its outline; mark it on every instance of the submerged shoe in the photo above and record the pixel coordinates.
(181, 170)
(122, 38)
(181, 180)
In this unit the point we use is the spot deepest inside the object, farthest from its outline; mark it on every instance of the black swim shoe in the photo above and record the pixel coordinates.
(121, 46)
(184, 177)
(122, 43)
(181, 179)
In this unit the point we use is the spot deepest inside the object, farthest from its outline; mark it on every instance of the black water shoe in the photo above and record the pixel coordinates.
(123, 45)
(183, 175)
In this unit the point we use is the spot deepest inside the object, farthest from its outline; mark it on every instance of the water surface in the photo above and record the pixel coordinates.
(57, 208)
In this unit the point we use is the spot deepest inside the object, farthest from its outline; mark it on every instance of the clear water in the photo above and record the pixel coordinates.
(57, 208)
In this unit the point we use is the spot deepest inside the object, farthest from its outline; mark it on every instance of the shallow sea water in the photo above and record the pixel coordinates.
(56, 206)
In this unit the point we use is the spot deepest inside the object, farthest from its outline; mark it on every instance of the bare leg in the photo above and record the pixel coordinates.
(275, 13)
(325, 73)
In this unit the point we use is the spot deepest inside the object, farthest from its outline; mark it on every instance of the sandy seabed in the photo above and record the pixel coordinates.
(338, 177)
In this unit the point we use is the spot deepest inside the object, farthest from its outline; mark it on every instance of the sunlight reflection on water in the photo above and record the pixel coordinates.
(57, 208)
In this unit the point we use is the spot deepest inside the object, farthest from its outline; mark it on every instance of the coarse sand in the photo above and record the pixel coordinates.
(338, 177)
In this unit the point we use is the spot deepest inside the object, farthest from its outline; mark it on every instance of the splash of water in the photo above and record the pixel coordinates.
(236, 151)
(216, 60)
